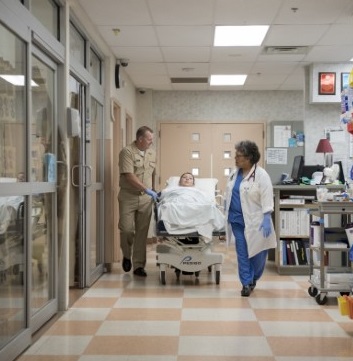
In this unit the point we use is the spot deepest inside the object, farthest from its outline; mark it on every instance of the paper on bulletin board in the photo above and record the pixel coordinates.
(281, 134)
(276, 155)
(335, 134)
(337, 137)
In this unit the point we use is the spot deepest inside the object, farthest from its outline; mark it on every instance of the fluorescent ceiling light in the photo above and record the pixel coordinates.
(240, 35)
(17, 80)
(217, 80)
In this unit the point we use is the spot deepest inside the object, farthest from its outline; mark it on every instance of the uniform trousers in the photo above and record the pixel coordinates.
(249, 269)
(135, 217)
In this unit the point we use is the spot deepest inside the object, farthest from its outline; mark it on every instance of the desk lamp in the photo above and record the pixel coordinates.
(324, 146)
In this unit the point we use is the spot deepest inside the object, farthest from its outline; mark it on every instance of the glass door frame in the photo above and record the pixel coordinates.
(51, 308)
(87, 273)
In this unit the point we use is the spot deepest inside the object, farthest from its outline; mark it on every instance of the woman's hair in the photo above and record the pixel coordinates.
(249, 149)
(193, 178)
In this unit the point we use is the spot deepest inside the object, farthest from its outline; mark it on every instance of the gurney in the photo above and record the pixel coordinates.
(12, 212)
(186, 244)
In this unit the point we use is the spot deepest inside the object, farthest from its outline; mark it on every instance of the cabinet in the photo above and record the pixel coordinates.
(292, 225)
(324, 277)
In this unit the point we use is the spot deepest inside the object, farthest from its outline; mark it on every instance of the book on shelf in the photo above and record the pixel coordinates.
(300, 196)
(294, 222)
(293, 252)
(335, 245)
(301, 251)
(292, 201)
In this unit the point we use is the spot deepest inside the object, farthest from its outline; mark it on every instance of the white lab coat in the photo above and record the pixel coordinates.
(256, 198)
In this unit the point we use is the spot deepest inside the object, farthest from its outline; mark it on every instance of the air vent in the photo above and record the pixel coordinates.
(189, 80)
(286, 50)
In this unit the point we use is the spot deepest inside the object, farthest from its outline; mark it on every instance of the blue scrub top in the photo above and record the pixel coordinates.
(235, 213)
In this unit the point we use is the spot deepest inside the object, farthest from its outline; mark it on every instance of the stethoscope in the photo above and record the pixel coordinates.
(248, 185)
(252, 175)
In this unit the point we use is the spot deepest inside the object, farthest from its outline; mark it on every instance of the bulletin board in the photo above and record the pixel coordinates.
(281, 152)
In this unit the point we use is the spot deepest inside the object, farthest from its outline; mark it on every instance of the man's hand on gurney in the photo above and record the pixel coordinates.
(152, 194)
(266, 225)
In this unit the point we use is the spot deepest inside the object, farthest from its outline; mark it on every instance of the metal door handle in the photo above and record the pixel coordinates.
(72, 175)
(90, 176)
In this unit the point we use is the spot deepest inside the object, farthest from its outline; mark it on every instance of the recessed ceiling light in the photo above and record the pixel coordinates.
(217, 80)
(240, 35)
(17, 80)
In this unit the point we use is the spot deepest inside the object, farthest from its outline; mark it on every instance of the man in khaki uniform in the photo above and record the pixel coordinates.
(137, 164)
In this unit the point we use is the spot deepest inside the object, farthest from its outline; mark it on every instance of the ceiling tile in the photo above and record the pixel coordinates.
(161, 37)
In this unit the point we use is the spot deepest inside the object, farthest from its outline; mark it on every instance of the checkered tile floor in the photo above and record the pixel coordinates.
(125, 318)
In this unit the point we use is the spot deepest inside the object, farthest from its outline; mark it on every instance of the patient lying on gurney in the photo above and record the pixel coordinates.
(185, 209)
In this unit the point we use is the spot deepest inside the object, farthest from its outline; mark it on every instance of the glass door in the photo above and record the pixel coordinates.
(87, 185)
(28, 243)
(14, 199)
(42, 173)
(94, 193)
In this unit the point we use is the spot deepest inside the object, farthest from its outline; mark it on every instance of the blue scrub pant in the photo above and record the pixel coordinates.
(249, 269)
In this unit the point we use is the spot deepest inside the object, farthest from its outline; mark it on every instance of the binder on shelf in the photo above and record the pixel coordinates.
(294, 250)
(290, 254)
(301, 252)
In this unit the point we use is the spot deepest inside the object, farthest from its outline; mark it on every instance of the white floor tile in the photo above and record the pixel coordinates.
(224, 314)
(320, 358)
(59, 345)
(85, 314)
(139, 328)
(214, 292)
(135, 302)
(302, 329)
(283, 303)
(224, 346)
(103, 292)
(128, 358)
(278, 285)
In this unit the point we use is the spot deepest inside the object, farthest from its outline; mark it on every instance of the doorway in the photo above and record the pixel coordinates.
(205, 149)
(87, 200)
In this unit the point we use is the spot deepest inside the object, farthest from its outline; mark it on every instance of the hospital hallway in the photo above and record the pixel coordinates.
(126, 318)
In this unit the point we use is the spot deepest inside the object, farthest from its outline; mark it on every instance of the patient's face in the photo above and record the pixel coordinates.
(186, 180)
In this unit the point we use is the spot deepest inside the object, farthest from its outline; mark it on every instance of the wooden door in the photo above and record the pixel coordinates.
(203, 148)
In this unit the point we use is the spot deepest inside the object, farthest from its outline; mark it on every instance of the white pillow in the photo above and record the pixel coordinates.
(207, 185)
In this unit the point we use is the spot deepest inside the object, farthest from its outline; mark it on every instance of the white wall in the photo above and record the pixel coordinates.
(154, 107)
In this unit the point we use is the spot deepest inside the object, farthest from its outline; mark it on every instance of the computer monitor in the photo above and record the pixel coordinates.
(297, 168)
(309, 170)
(340, 177)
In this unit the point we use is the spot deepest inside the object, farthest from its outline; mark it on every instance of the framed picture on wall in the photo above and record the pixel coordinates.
(344, 81)
(327, 83)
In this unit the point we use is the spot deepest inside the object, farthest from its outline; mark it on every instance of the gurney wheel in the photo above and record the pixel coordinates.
(321, 298)
(163, 277)
(218, 277)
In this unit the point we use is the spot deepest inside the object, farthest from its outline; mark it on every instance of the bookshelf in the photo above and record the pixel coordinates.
(292, 204)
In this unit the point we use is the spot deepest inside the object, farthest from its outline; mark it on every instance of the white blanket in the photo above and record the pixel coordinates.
(187, 209)
(8, 211)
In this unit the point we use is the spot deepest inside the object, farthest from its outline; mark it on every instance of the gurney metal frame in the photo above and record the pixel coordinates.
(181, 253)
(189, 253)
